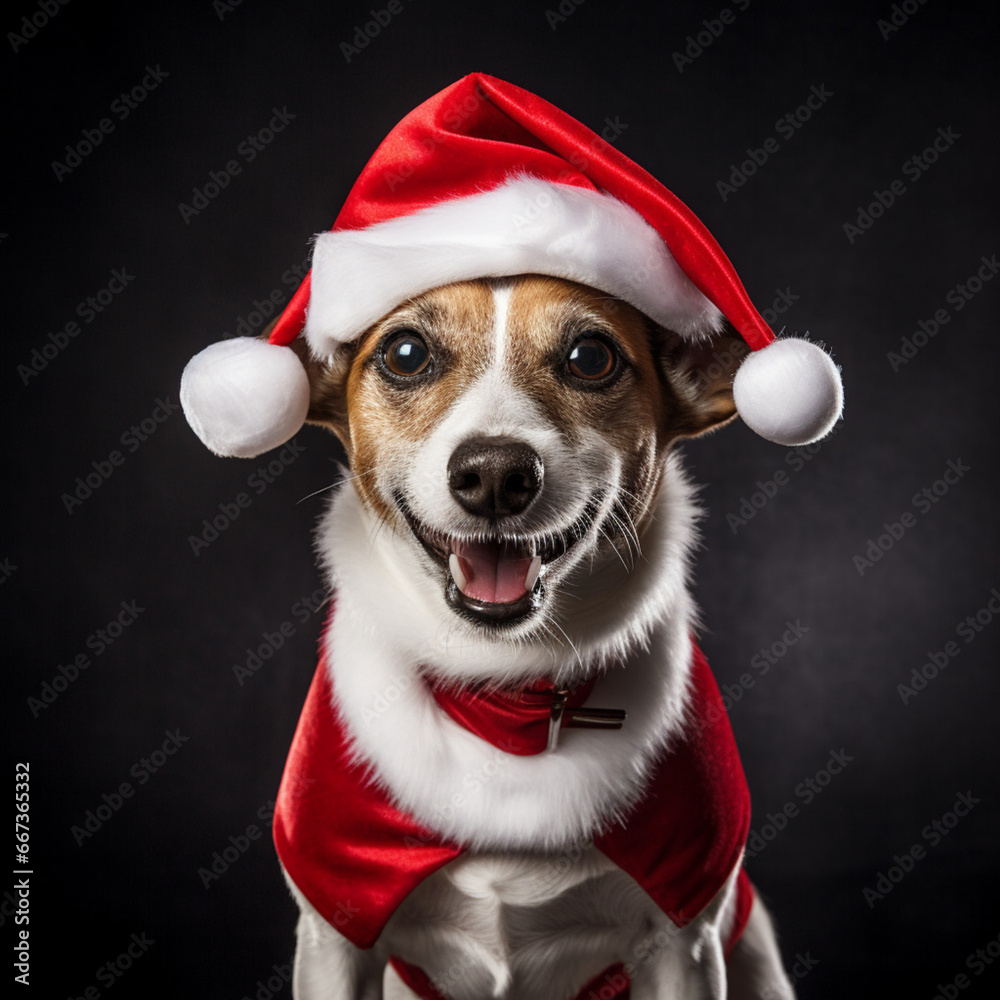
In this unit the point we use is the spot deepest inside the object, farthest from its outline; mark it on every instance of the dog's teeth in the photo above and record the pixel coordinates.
(456, 571)
(533, 570)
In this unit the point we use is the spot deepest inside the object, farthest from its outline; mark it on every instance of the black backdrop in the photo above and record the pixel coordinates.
(209, 76)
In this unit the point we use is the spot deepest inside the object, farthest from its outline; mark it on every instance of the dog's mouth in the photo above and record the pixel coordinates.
(494, 578)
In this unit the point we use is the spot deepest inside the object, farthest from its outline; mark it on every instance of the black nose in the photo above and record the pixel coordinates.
(494, 476)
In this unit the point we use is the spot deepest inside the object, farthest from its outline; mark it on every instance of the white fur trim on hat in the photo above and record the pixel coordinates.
(524, 226)
(789, 392)
(244, 396)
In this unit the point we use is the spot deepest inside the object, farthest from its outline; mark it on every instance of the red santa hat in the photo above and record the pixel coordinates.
(488, 180)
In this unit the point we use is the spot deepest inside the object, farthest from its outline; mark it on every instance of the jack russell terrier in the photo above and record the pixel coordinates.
(513, 776)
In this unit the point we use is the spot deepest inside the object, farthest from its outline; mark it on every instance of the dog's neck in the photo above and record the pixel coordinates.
(630, 624)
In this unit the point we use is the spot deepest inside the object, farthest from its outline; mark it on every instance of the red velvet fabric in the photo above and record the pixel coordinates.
(356, 856)
(353, 854)
(687, 832)
(475, 134)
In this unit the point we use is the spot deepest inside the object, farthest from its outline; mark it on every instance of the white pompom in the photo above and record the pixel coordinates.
(244, 396)
(789, 392)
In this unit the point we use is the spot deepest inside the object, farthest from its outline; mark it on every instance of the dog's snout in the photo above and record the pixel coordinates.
(494, 476)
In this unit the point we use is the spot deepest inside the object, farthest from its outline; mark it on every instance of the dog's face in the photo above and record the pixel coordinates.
(513, 432)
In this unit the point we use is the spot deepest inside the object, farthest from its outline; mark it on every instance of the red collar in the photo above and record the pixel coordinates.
(524, 722)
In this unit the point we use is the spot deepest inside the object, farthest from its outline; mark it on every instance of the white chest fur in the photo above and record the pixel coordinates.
(522, 925)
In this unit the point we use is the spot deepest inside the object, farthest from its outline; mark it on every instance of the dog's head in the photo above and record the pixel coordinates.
(512, 433)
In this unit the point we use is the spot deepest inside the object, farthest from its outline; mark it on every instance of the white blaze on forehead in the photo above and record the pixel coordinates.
(501, 306)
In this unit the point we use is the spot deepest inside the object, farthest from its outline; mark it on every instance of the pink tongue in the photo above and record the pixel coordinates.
(493, 574)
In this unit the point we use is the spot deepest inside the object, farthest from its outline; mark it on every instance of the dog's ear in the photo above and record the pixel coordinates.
(700, 373)
(327, 388)
(327, 385)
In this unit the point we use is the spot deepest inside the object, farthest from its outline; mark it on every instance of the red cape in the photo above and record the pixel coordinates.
(356, 856)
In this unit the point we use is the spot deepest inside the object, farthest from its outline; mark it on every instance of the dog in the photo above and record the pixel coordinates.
(513, 776)
(516, 509)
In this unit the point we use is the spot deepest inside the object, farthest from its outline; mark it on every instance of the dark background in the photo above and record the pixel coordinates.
(172, 669)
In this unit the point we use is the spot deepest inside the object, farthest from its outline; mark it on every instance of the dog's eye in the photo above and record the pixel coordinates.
(406, 354)
(590, 358)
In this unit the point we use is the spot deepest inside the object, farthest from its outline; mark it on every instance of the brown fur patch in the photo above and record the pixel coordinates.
(382, 417)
